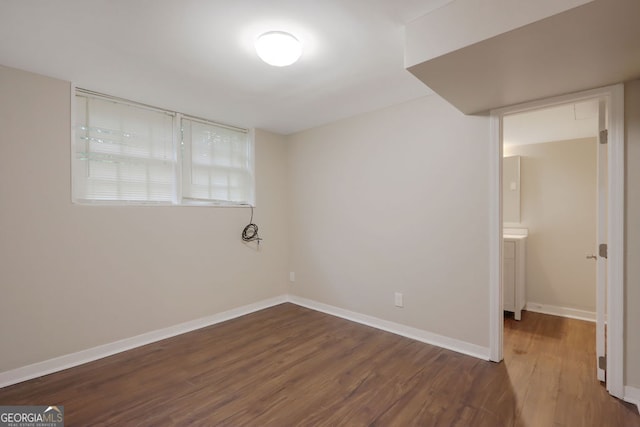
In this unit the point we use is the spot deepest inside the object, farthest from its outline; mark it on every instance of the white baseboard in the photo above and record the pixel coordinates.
(396, 328)
(632, 395)
(571, 313)
(74, 359)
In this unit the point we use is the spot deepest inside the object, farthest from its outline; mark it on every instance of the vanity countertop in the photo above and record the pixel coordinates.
(514, 233)
(514, 236)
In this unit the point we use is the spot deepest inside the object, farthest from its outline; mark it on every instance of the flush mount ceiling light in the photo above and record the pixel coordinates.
(278, 48)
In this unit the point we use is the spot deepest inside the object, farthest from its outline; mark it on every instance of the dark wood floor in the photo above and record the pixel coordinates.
(288, 366)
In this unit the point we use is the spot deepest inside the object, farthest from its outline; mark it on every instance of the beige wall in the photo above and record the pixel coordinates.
(73, 277)
(632, 234)
(395, 201)
(558, 207)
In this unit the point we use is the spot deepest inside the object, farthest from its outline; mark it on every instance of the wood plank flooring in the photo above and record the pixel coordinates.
(290, 366)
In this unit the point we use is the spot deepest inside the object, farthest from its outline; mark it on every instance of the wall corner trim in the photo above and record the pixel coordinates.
(396, 328)
(632, 395)
(66, 361)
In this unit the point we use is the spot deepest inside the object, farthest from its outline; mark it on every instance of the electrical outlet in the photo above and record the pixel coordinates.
(292, 276)
(399, 299)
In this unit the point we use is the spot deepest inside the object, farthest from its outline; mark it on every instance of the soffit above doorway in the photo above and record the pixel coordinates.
(593, 45)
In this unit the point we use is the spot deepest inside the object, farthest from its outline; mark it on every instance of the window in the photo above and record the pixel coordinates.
(125, 152)
(217, 163)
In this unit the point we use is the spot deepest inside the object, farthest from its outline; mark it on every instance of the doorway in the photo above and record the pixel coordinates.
(612, 102)
(550, 193)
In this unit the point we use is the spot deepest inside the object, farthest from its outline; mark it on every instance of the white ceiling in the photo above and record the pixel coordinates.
(197, 56)
(569, 121)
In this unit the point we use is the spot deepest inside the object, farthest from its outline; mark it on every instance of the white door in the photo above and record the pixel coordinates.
(601, 239)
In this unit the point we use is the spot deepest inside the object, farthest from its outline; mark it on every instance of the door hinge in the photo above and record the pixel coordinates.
(602, 250)
(604, 136)
(602, 362)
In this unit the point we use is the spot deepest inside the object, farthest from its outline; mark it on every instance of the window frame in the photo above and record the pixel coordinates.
(177, 198)
(193, 201)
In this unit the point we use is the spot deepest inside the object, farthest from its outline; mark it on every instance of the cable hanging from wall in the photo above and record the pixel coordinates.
(250, 232)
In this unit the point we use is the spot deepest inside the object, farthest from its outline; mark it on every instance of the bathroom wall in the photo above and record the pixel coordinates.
(558, 206)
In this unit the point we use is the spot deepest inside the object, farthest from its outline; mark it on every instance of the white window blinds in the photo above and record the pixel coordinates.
(217, 163)
(125, 152)
(122, 152)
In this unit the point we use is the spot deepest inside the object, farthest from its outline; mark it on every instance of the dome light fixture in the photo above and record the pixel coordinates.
(278, 48)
